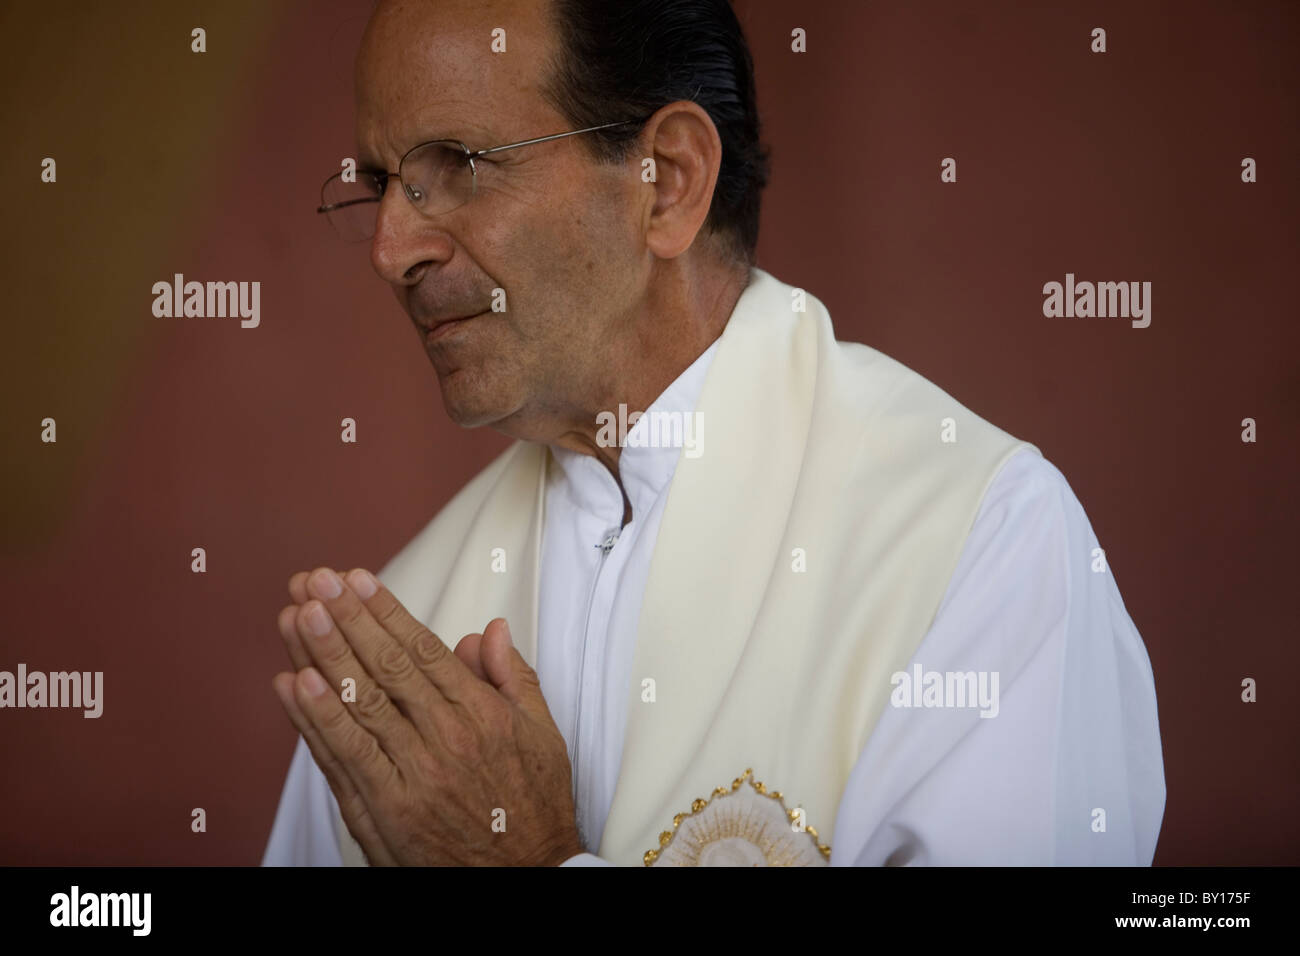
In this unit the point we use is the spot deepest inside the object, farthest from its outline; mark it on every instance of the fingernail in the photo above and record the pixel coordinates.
(364, 583)
(506, 625)
(318, 622)
(327, 584)
(314, 683)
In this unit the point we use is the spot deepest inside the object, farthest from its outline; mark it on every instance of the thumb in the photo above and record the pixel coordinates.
(506, 668)
(469, 650)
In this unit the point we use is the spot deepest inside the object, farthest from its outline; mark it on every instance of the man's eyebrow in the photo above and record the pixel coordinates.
(474, 139)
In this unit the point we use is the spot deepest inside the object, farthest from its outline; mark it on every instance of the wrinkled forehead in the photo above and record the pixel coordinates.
(469, 70)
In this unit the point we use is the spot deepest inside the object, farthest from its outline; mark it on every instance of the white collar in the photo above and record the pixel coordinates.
(646, 470)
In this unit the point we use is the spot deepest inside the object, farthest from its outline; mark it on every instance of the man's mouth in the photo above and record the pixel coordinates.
(444, 327)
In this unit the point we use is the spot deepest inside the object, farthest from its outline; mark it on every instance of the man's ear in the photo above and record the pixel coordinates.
(685, 152)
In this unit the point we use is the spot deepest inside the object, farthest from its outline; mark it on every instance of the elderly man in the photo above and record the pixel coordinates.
(806, 609)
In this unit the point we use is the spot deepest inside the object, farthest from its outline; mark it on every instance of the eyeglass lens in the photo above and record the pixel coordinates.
(436, 178)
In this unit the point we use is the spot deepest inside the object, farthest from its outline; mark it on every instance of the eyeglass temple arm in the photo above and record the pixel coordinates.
(543, 139)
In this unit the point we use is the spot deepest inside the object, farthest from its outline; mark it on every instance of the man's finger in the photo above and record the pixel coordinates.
(355, 748)
(288, 629)
(298, 587)
(468, 652)
(352, 807)
(288, 625)
(341, 659)
(508, 672)
(384, 658)
(447, 672)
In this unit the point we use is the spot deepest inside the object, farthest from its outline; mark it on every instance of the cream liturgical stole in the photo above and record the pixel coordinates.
(799, 563)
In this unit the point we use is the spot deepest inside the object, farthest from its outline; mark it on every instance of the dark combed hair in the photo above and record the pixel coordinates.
(625, 59)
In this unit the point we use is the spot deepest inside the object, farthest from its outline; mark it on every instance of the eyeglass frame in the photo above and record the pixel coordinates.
(470, 155)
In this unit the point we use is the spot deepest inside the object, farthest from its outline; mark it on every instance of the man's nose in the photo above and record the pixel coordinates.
(405, 243)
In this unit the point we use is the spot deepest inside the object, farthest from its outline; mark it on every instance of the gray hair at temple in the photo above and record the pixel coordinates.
(627, 59)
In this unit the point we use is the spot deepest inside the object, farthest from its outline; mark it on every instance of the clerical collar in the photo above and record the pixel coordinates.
(651, 447)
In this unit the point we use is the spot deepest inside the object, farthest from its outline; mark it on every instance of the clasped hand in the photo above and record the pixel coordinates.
(435, 757)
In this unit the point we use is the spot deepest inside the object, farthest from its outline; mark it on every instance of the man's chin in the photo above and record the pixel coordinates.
(468, 403)
(471, 415)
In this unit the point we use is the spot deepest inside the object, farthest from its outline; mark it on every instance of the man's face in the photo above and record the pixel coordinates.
(552, 228)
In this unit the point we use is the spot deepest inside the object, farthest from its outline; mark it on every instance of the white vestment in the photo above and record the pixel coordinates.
(1076, 729)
